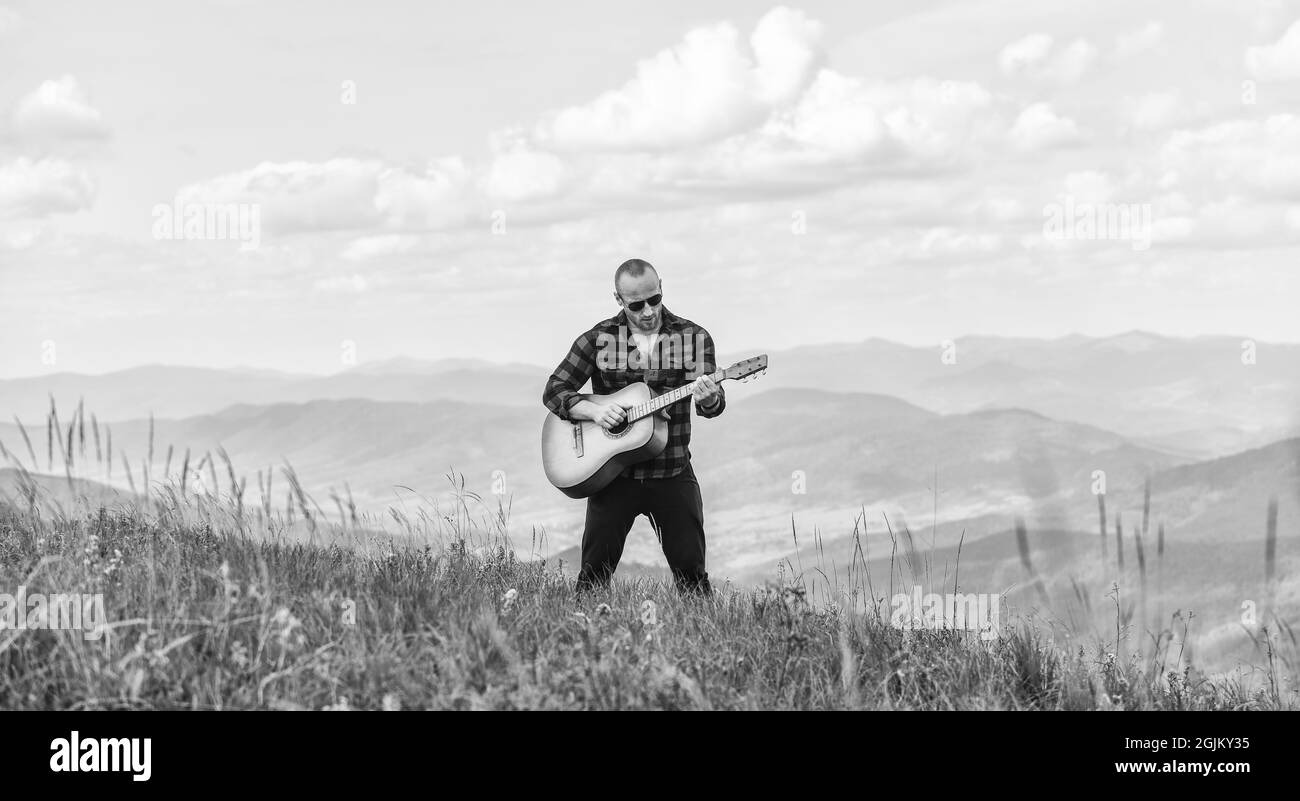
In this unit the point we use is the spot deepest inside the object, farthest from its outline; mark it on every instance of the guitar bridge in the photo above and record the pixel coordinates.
(577, 439)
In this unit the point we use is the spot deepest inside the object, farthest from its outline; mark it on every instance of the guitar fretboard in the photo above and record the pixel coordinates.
(667, 399)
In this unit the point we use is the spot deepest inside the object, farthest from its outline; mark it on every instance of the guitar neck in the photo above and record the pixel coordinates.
(668, 398)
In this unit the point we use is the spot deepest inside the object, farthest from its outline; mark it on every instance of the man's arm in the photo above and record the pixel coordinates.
(706, 362)
(561, 394)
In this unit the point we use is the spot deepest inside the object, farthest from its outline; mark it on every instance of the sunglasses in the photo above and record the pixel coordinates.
(638, 305)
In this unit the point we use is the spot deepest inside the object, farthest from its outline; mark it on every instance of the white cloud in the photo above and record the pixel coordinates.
(934, 120)
(834, 120)
(1279, 61)
(944, 241)
(787, 52)
(298, 195)
(703, 89)
(58, 110)
(343, 284)
(1034, 56)
(1172, 229)
(1090, 186)
(838, 130)
(435, 197)
(1259, 157)
(999, 209)
(34, 189)
(19, 238)
(1139, 40)
(1155, 111)
(522, 173)
(373, 247)
(1025, 55)
(344, 194)
(1070, 64)
(710, 121)
(841, 129)
(1230, 221)
(1039, 127)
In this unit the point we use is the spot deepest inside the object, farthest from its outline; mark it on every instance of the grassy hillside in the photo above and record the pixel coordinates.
(210, 607)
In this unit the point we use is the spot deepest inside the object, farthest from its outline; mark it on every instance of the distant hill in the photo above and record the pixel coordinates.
(1190, 396)
(403, 365)
(60, 491)
(178, 392)
(862, 448)
(1225, 499)
(1193, 395)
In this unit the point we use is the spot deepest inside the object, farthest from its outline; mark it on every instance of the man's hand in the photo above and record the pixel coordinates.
(608, 415)
(706, 392)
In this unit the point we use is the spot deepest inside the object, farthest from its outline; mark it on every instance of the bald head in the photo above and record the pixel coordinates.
(634, 268)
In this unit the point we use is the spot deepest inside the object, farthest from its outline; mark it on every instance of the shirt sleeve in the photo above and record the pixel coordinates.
(571, 375)
(706, 362)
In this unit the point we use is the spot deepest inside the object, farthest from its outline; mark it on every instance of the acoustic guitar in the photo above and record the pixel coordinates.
(583, 457)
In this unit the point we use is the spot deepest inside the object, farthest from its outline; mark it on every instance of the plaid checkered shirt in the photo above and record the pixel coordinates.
(611, 358)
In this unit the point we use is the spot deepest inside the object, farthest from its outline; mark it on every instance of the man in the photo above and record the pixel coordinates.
(643, 342)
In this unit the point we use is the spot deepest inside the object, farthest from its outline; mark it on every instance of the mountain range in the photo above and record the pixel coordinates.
(1195, 397)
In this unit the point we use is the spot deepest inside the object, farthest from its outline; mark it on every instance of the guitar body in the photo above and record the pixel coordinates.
(582, 458)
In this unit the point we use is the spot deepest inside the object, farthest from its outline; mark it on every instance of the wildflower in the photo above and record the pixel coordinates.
(649, 612)
(230, 588)
(603, 610)
(288, 629)
(114, 564)
(509, 598)
(393, 702)
(239, 655)
(794, 598)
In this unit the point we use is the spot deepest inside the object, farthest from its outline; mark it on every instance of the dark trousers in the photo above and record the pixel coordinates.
(675, 509)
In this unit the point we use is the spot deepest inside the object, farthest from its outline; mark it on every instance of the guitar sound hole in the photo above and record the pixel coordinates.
(618, 430)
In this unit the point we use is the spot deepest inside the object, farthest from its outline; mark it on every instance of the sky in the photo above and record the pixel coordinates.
(443, 180)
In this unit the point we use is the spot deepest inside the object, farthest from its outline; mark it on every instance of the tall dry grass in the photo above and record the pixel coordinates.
(217, 603)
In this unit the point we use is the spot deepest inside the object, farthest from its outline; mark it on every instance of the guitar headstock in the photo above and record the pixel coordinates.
(744, 370)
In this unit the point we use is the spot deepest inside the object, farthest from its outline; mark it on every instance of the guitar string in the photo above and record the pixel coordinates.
(654, 404)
